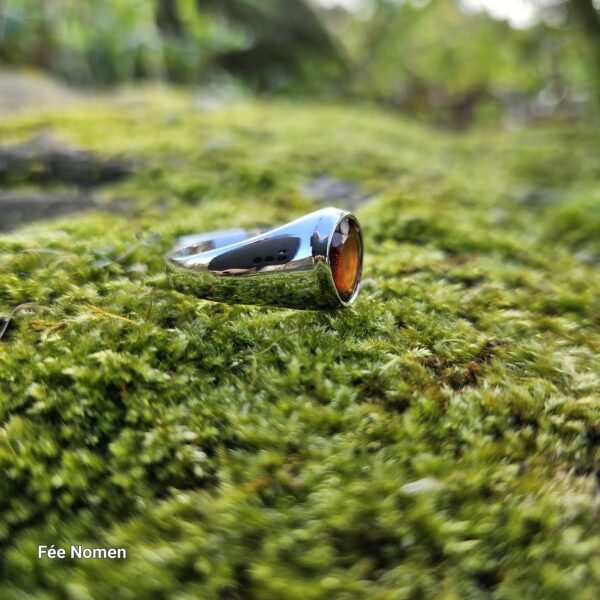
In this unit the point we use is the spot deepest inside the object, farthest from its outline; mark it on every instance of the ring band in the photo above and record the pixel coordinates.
(314, 262)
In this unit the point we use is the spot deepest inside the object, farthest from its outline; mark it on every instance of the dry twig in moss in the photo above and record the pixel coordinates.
(13, 312)
(105, 313)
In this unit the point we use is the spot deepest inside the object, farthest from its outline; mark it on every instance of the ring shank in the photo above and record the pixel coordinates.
(195, 243)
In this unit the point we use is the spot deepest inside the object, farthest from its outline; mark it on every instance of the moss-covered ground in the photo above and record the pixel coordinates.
(440, 439)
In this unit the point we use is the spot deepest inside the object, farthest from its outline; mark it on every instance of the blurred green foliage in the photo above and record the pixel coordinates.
(428, 57)
(465, 67)
(99, 43)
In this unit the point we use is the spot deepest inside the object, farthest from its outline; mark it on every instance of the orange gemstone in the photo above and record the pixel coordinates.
(345, 257)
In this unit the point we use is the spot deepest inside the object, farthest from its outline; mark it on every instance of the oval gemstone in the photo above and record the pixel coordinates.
(345, 256)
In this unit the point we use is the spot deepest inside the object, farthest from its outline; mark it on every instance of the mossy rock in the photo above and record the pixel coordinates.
(439, 439)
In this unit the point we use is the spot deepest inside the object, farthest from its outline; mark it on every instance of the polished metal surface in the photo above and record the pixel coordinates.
(287, 266)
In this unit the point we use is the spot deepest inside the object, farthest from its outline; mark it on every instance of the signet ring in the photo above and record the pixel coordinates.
(314, 262)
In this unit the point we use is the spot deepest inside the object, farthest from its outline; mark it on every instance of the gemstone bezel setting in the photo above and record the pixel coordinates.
(345, 258)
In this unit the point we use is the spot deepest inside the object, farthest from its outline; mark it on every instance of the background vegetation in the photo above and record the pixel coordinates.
(428, 57)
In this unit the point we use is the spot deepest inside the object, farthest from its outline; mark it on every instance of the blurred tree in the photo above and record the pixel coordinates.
(167, 17)
(587, 15)
(284, 40)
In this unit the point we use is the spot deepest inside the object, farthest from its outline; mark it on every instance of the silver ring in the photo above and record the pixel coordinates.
(314, 262)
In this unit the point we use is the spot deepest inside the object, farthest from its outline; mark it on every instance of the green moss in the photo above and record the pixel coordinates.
(439, 439)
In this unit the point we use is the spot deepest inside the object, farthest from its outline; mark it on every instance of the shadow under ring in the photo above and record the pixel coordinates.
(311, 263)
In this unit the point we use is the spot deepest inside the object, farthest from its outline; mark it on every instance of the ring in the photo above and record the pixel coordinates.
(314, 262)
